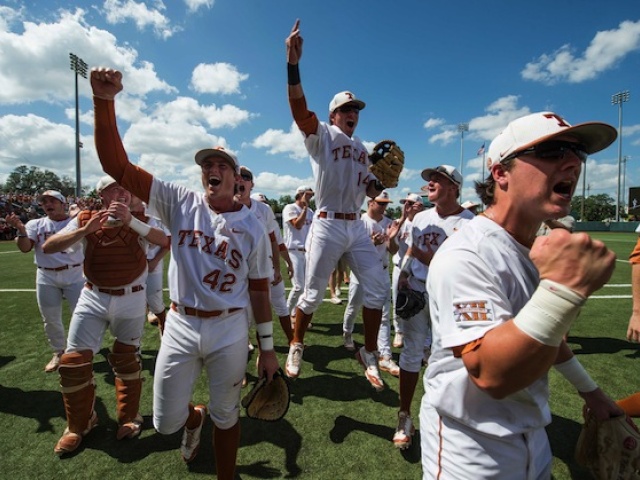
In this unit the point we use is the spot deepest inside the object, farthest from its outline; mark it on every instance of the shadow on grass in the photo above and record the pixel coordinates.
(344, 426)
(563, 435)
(597, 345)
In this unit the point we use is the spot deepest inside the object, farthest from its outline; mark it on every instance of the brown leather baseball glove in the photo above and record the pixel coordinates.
(268, 401)
(387, 162)
(610, 449)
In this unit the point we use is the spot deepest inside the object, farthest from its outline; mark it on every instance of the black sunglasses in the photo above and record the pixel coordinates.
(554, 150)
(348, 108)
(246, 176)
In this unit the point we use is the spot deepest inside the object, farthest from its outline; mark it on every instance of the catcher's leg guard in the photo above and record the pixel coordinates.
(127, 368)
(78, 393)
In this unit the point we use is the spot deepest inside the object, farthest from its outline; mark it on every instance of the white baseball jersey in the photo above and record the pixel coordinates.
(428, 231)
(401, 240)
(372, 226)
(217, 253)
(340, 167)
(156, 223)
(480, 278)
(295, 239)
(38, 230)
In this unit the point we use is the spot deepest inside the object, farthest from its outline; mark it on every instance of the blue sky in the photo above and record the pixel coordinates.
(199, 73)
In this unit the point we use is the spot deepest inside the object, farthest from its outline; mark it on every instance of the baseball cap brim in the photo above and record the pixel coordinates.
(51, 194)
(593, 136)
(219, 153)
(427, 172)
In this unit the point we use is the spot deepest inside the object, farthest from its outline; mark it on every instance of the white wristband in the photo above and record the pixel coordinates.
(139, 227)
(549, 313)
(573, 371)
(265, 335)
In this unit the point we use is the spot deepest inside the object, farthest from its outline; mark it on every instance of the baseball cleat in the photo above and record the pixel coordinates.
(69, 441)
(130, 429)
(335, 301)
(369, 360)
(54, 363)
(388, 365)
(404, 431)
(294, 359)
(152, 319)
(191, 437)
(398, 340)
(348, 342)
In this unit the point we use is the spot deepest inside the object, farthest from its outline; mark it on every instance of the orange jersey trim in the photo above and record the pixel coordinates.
(466, 348)
(305, 119)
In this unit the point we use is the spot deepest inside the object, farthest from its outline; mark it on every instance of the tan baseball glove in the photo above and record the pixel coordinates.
(268, 401)
(610, 449)
(387, 162)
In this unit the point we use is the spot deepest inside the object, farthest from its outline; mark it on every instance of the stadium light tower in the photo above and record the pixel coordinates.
(462, 127)
(80, 68)
(618, 99)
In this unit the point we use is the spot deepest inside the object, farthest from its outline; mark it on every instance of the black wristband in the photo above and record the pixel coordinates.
(293, 74)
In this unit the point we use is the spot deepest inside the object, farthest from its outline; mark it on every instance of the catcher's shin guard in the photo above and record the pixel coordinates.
(78, 393)
(127, 368)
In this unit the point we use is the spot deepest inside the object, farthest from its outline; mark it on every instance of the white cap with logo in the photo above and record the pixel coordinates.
(383, 197)
(303, 189)
(412, 197)
(259, 197)
(527, 131)
(344, 98)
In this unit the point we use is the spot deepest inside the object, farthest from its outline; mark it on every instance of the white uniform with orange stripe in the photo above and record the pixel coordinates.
(295, 241)
(340, 167)
(213, 256)
(480, 278)
(59, 276)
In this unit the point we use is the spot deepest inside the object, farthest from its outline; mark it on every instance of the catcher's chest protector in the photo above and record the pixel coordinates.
(114, 255)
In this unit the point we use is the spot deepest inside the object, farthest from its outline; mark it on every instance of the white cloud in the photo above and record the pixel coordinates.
(274, 185)
(194, 5)
(46, 46)
(606, 50)
(222, 78)
(278, 141)
(433, 123)
(117, 11)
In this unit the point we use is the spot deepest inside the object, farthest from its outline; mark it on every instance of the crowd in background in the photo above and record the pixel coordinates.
(26, 207)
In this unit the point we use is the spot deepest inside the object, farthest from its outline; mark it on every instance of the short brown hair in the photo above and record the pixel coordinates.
(486, 190)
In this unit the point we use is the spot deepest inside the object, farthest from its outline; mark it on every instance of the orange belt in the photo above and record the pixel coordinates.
(194, 312)
(117, 292)
(338, 216)
(59, 269)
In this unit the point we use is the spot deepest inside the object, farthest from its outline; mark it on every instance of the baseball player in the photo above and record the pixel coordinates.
(340, 167)
(115, 266)
(296, 222)
(155, 255)
(219, 264)
(59, 274)
(429, 230)
(398, 234)
(501, 301)
(377, 225)
(268, 220)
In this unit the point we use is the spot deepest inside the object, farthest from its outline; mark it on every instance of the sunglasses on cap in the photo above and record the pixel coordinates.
(553, 150)
(348, 108)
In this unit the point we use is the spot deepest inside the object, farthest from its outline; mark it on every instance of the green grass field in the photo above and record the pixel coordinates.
(337, 426)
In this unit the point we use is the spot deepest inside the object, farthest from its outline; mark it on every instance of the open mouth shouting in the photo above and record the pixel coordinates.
(564, 189)
(214, 180)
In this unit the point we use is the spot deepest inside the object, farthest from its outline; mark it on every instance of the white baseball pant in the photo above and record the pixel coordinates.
(417, 337)
(297, 282)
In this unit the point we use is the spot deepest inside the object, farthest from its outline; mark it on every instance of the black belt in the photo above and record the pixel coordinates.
(116, 292)
(193, 312)
(338, 215)
(59, 269)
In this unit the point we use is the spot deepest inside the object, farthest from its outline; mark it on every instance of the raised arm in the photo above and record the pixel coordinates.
(306, 120)
(106, 84)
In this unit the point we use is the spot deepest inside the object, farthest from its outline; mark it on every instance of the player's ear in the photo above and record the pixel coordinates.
(499, 173)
